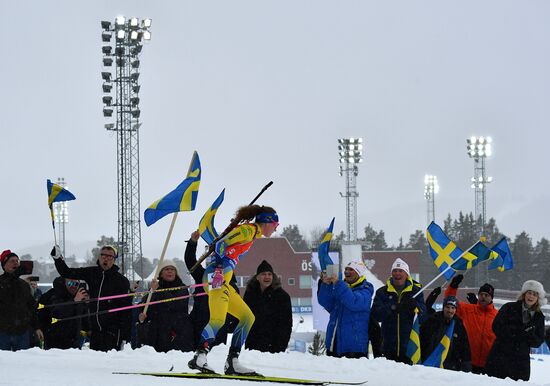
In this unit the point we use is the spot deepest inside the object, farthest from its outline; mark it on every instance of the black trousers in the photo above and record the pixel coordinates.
(105, 340)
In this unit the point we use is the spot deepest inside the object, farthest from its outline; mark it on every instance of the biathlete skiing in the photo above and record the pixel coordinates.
(222, 297)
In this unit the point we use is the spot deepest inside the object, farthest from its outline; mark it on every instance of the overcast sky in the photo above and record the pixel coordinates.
(262, 90)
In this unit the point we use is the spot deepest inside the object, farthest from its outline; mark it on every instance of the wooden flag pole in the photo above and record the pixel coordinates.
(164, 248)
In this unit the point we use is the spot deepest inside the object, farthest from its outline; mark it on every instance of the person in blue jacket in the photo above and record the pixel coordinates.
(394, 308)
(348, 301)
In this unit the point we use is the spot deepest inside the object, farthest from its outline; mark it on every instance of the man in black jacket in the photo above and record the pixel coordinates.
(434, 329)
(271, 307)
(63, 334)
(109, 330)
(17, 307)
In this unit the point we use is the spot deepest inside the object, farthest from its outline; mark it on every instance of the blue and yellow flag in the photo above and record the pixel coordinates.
(438, 356)
(442, 249)
(181, 199)
(503, 261)
(324, 258)
(206, 225)
(472, 257)
(413, 347)
(57, 193)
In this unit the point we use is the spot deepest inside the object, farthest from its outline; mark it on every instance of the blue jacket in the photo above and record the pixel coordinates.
(396, 323)
(349, 309)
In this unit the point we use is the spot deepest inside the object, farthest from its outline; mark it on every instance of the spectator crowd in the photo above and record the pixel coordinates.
(96, 304)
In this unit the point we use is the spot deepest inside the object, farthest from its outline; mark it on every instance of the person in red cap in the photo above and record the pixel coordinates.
(478, 320)
(17, 307)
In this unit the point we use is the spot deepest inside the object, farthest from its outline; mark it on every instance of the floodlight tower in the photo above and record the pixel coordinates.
(479, 148)
(61, 216)
(351, 153)
(431, 188)
(129, 35)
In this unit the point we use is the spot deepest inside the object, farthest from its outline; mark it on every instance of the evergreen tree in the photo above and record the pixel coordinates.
(492, 233)
(522, 251)
(295, 238)
(374, 241)
(400, 246)
(337, 240)
(542, 258)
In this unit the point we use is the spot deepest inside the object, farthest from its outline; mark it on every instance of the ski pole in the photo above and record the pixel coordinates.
(234, 222)
(40, 306)
(54, 320)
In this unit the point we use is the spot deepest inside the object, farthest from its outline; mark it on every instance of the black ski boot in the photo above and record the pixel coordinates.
(233, 367)
(199, 361)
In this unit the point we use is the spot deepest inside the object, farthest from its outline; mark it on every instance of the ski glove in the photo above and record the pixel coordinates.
(217, 278)
(472, 298)
(430, 300)
(456, 281)
(56, 252)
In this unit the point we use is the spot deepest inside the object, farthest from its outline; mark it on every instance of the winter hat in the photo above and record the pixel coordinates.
(167, 263)
(488, 288)
(400, 264)
(358, 266)
(5, 256)
(451, 300)
(535, 286)
(264, 267)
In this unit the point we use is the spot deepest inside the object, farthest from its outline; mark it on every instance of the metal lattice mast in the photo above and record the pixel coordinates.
(61, 215)
(479, 148)
(350, 151)
(431, 188)
(129, 35)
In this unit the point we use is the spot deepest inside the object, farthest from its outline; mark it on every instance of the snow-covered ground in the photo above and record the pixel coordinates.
(91, 368)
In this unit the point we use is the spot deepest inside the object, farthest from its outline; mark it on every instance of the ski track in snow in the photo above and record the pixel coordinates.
(90, 368)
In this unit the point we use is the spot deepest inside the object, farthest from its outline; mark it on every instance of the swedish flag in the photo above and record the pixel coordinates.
(413, 347)
(503, 260)
(206, 225)
(57, 193)
(181, 199)
(324, 258)
(438, 356)
(472, 257)
(442, 249)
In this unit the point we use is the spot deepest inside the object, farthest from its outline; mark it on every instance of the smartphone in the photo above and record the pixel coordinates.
(25, 268)
(82, 284)
(34, 278)
(332, 269)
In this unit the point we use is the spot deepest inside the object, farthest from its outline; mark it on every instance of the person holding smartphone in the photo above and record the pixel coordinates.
(348, 301)
(63, 335)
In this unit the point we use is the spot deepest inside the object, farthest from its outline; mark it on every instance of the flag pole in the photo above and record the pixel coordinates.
(174, 217)
(443, 272)
(53, 225)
